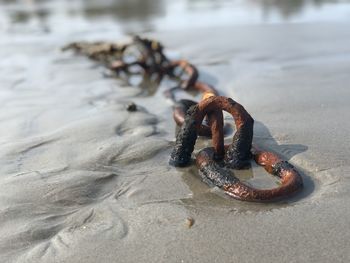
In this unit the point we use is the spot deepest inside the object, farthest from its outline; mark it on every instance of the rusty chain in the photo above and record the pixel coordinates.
(213, 163)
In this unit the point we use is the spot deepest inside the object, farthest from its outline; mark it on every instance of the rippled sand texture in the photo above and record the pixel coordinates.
(83, 180)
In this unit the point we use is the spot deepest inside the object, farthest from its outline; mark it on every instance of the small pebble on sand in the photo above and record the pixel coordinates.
(189, 222)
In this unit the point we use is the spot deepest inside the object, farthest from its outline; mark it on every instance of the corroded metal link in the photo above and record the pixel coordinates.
(153, 58)
(180, 107)
(235, 155)
(192, 77)
(187, 68)
(102, 52)
(205, 88)
(213, 163)
(213, 172)
(238, 153)
(185, 140)
(119, 65)
(216, 123)
(179, 111)
(218, 174)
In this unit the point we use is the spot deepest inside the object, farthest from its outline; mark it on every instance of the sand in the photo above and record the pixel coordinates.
(84, 180)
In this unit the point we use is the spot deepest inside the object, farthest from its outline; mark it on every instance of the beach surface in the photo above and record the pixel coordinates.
(84, 180)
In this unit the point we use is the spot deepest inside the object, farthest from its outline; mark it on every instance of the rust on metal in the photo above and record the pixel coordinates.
(199, 119)
(238, 153)
(214, 163)
(214, 172)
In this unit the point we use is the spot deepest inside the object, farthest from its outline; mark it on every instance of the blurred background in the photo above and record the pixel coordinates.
(137, 16)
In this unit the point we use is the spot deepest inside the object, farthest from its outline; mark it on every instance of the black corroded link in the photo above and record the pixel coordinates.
(238, 155)
(179, 111)
(214, 172)
(211, 171)
(180, 108)
(185, 140)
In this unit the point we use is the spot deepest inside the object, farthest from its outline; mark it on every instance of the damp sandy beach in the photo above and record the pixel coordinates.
(84, 180)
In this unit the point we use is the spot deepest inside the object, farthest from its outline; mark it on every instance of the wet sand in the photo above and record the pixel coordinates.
(83, 180)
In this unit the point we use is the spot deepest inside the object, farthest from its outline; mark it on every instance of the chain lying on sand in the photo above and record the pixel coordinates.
(213, 163)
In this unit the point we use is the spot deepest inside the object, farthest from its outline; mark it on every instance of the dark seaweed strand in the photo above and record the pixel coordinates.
(185, 140)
